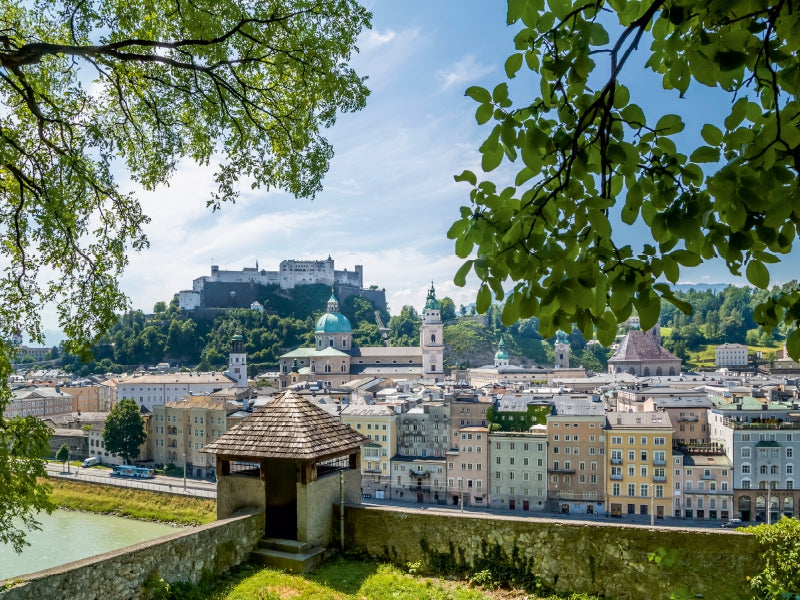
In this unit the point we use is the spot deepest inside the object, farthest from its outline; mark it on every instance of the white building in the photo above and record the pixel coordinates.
(39, 402)
(149, 390)
(731, 355)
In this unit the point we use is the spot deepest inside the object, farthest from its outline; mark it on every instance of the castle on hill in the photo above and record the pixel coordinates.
(239, 289)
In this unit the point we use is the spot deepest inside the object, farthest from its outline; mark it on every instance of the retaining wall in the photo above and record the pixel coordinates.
(128, 573)
(612, 561)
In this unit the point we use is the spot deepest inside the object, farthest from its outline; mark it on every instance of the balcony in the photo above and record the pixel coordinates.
(616, 461)
(616, 477)
(688, 418)
(707, 477)
(660, 462)
(659, 478)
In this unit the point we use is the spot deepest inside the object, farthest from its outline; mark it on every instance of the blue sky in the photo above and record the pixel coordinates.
(389, 197)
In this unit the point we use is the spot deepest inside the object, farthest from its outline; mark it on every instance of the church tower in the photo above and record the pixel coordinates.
(237, 362)
(501, 356)
(431, 339)
(562, 350)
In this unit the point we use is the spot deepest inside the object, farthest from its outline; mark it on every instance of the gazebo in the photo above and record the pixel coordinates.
(293, 460)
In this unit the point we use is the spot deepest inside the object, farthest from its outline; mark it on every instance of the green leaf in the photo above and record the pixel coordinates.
(484, 113)
(463, 247)
(793, 344)
(478, 94)
(686, 258)
(633, 115)
(492, 157)
(461, 275)
(598, 36)
(705, 154)
(669, 124)
(711, 134)
(484, 299)
(757, 274)
(513, 64)
(467, 176)
(515, 8)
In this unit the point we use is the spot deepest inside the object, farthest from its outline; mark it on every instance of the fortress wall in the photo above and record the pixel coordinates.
(188, 555)
(609, 560)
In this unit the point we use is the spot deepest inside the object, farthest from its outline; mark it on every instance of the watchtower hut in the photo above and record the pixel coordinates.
(288, 458)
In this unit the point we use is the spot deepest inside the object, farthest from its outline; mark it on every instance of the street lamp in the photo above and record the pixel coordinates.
(184, 471)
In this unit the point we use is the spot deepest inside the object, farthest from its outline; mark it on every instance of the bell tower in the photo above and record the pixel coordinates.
(431, 338)
(237, 362)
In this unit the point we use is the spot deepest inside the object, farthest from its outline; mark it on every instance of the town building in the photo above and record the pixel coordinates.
(576, 456)
(639, 451)
(379, 424)
(730, 355)
(467, 467)
(41, 402)
(181, 430)
(518, 470)
(641, 353)
(703, 485)
(151, 390)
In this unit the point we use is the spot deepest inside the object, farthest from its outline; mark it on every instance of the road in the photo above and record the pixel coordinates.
(160, 483)
(600, 518)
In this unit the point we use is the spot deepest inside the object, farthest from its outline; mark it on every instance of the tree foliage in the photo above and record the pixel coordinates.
(92, 87)
(62, 455)
(780, 543)
(124, 431)
(24, 441)
(587, 161)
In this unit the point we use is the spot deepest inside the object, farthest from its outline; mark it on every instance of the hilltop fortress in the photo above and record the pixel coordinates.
(239, 289)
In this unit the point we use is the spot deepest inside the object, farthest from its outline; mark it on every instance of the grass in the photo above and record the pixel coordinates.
(346, 579)
(136, 504)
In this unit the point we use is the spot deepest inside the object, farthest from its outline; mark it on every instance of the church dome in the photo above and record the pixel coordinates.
(501, 353)
(333, 323)
(431, 303)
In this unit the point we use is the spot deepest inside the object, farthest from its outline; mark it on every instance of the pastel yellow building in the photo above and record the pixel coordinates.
(639, 467)
(379, 423)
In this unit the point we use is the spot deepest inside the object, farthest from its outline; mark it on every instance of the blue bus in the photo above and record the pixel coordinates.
(132, 471)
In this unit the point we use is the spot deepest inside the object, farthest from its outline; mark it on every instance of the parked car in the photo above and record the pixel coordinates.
(733, 524)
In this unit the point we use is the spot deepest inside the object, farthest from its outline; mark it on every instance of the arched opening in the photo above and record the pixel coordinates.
(788, 507)
(646, 372)
(433, 338)
(745, 508)
(659, 372)
(672, 370)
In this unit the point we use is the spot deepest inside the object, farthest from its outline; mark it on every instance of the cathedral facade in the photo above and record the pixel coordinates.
(334, 361)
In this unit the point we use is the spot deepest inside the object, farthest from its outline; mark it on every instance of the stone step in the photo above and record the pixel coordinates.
(289, 546)
(292, 562)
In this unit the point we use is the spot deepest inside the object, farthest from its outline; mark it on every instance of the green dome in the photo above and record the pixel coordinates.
(333, 323)
(501, 354)
(431, 303)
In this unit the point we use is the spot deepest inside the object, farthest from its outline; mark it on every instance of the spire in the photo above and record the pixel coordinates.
(333, 303)
(431, 303)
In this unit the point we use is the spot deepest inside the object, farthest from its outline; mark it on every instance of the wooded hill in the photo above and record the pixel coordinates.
(172, 335)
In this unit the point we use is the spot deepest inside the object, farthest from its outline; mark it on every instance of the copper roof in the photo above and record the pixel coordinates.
(288, 427)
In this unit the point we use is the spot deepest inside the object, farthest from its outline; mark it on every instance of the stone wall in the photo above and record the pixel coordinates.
(124, 574)
(610, 560)
(317, 505)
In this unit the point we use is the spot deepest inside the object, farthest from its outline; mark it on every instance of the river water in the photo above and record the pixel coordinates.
(67, 535)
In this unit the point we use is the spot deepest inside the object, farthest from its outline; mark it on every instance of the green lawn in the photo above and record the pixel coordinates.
(347, 579)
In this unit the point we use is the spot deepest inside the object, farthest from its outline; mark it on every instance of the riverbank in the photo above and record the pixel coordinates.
(132, 503)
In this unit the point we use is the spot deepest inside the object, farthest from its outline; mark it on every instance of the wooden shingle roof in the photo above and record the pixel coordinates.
(288, 427)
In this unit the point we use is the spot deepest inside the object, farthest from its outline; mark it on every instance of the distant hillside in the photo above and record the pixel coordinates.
(700, 287)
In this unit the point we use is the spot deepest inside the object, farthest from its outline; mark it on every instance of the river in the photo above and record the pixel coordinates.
(67, 536)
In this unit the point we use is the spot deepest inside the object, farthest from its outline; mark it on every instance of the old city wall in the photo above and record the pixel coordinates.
(188, 555)
(610, 560)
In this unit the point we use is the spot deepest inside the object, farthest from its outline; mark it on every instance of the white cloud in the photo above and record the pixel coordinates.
(464, 71)
(373, 39)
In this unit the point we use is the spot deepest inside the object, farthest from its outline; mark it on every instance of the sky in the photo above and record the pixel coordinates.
(389, 197)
